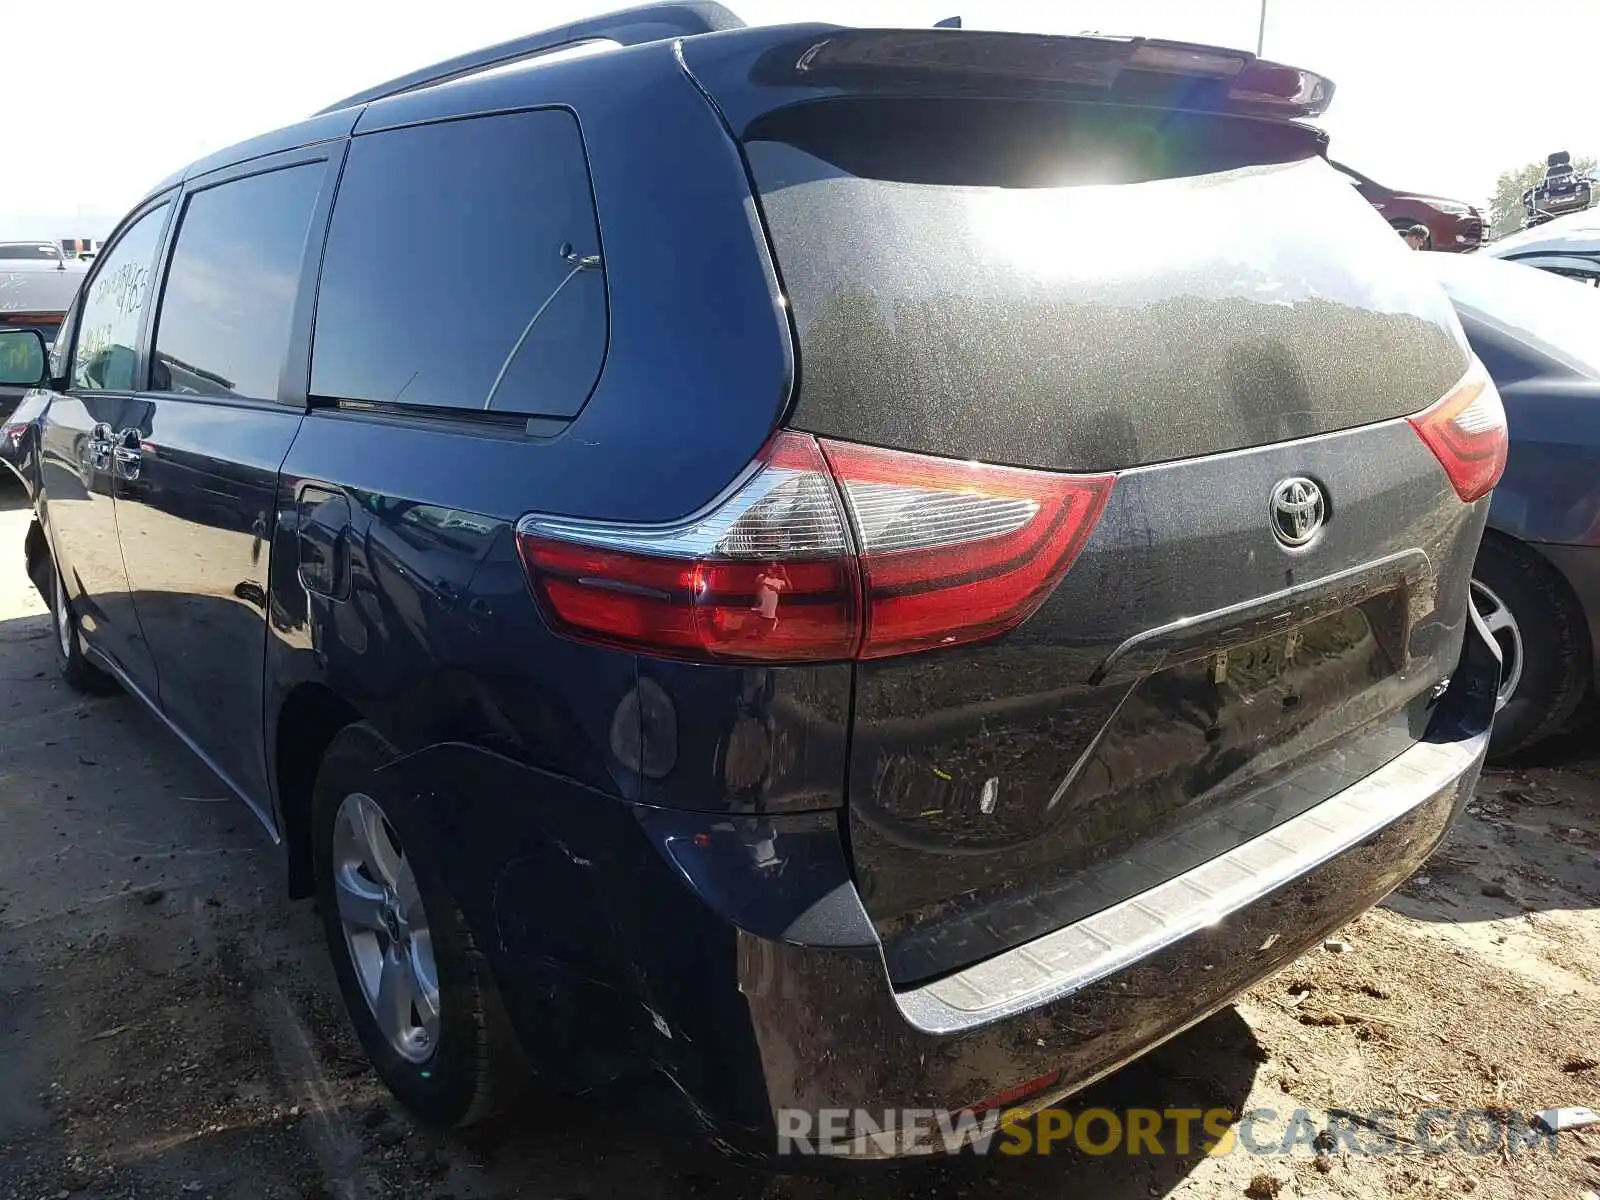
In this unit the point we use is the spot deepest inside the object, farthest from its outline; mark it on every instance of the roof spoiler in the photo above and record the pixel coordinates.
(1131, 70)
(630, 27)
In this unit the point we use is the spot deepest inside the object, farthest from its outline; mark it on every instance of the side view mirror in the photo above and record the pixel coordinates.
(23, 361)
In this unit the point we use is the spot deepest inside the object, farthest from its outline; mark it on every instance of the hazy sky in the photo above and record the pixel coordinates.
(1433, 95)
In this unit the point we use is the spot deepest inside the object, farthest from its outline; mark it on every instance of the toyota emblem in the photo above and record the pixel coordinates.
(1298, 511)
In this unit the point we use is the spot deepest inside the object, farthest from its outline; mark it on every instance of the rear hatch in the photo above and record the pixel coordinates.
(1193, 301)
(38, 291)
(34, 293)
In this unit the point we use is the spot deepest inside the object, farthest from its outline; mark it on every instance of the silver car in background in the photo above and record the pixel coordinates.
(1567, 246)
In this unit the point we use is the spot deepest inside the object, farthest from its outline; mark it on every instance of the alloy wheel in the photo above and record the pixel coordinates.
(1502, 625)
(386, 928)
(64, 634)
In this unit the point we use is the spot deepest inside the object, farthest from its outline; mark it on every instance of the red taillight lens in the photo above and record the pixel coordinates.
(942, 552)
(954, 551)
(1466, 430)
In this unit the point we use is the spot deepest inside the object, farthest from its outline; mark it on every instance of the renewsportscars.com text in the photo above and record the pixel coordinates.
(846, 1133)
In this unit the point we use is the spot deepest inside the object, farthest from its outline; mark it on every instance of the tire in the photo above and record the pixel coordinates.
(80, 675)
(371, 846)
(1544, 642)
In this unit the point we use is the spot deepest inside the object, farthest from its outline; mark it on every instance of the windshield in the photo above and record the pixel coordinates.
(1536, 307)
(33, 250)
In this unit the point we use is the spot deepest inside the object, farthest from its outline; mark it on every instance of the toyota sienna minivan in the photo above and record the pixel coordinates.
(835, 612)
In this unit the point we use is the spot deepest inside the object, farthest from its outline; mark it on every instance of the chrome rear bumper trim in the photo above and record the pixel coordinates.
(1077, 955)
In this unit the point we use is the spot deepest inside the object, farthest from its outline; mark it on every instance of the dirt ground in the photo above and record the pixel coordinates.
(168, 1026)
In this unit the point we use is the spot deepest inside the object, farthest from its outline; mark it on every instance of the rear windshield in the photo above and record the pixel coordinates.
(1545, 311)
(29, 250)
(1085, 286)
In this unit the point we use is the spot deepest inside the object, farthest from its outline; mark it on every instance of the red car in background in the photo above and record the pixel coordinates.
(1452, 224)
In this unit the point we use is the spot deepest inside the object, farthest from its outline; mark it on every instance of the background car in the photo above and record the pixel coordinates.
(1537, 578)
(1561, 191)
(1567, 246)
(1453, 225)
(37, 284)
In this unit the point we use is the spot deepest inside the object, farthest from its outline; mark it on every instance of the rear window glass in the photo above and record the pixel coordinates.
(1085, 286)
(454, 276)
(36, 251)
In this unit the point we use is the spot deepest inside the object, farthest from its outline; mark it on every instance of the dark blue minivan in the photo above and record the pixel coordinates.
(920, 564)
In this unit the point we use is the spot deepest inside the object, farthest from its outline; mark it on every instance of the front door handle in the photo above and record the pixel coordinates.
(128, 453)
(98, 447)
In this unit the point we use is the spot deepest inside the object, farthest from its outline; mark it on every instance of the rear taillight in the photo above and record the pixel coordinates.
(920, 552)
(957, 551)
(766, 574)
(1466, 430)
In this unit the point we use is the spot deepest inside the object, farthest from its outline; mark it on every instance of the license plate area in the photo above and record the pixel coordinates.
(1359, 645)
(1203, 753)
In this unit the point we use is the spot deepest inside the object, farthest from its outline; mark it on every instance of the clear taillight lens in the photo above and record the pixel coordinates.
(765, 575)
(1466, 430)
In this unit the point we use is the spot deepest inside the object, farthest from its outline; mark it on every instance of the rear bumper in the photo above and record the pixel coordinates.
(719, 973)
(1076, 1004)
(833, 1036)
(1565, 202)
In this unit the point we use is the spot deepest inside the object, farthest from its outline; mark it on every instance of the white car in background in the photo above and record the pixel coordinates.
(1567, 246)
(37, 284)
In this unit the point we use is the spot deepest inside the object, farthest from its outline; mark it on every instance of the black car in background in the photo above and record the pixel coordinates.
(1537, 578)
(1561, 191)
(831, 614)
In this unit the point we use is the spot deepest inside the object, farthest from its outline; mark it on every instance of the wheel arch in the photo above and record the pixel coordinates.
(1511, 543)
(308, 720)
(1568, 621)
(35, 554)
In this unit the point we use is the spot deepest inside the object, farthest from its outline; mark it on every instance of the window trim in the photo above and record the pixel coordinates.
(1558, 263)
(141, 361)
(294, 375)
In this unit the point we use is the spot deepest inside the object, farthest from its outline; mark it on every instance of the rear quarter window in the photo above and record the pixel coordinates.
(450, 269)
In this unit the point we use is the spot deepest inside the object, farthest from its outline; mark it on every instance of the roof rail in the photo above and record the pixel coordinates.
(630, 27)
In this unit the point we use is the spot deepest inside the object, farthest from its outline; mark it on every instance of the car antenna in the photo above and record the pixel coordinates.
(948, 23)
